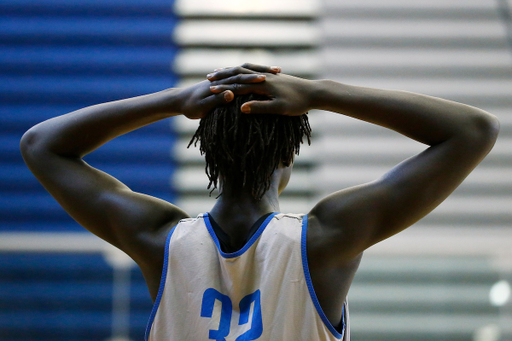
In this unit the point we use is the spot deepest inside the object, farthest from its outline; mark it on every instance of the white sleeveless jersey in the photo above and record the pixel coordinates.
(261, 292)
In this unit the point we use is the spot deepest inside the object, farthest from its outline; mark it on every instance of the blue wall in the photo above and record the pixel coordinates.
(57, 56)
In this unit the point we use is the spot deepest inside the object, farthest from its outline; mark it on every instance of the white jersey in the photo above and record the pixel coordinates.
(261, 292)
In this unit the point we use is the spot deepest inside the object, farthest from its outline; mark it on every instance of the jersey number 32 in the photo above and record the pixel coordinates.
(256, 327)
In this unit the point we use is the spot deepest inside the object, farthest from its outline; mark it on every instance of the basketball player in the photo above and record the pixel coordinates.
(244, 271)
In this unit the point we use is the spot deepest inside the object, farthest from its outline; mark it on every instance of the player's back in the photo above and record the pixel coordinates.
(261, 292)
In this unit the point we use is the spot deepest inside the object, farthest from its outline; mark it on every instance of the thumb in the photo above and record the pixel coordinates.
(260, 107)
(218, 99)
(228, 96)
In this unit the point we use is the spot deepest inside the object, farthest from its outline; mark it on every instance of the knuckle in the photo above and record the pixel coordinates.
(201, 102)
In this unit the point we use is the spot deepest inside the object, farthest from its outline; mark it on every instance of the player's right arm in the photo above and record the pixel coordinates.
(134, 222)
(349, 221)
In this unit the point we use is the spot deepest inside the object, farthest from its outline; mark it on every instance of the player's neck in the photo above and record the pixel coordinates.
(237, 214)
(236, 202)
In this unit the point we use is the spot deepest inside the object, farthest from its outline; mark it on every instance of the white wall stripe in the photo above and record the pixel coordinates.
(237, 8)
(246, 33)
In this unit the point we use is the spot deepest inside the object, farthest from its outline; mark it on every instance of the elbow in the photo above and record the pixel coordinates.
(494, 125)
(488, 127)
(483, 131)
(26, 142)
(30, 144)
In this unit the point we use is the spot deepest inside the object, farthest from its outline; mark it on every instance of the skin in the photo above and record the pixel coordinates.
(340, 226)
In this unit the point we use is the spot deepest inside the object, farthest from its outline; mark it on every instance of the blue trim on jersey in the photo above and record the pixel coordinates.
(312, 293)
(162, 285)
(251, 241)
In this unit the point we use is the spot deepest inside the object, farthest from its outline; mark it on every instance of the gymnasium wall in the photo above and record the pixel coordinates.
(58, 56)
(448, 276)
(433, 282)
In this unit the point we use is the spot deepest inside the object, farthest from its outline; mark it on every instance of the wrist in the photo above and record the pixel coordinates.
(171, 101)
(330, 95)
(314, 93)
(319, 93)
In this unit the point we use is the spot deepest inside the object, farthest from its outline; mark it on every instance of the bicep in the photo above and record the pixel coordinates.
(358, 217)
(102, 204)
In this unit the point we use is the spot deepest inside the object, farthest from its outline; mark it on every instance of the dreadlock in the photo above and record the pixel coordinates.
(247, 148)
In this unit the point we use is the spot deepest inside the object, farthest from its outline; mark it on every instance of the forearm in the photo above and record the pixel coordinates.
(80, 132)
(423, 118)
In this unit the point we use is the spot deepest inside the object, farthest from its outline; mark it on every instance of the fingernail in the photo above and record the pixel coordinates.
(246, 109)
(227, 96)
(213, 87)
(209, 75)
(261, 77)
(217, 70)
(275, 68)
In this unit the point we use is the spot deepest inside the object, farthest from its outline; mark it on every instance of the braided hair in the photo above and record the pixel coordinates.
(246, 149)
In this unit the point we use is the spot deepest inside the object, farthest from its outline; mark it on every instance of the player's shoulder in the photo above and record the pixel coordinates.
(286, 224)
(293, 216)
(294, 221)
(189, 221)
(306, 221)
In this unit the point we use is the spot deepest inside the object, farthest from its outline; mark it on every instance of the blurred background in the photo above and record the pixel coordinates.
(446, 278)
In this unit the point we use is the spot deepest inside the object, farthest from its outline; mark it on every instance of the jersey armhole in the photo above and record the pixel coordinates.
(309, 283)
(161, 287)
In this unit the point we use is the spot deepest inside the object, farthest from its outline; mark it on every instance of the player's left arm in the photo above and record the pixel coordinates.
(349, 221)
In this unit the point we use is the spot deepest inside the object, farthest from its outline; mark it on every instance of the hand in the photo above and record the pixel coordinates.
(197, 101)
(246, 68)
(288, 95)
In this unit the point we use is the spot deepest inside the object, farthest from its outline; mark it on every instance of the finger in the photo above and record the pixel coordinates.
(241, 78)
(260, 107)
(255, 67)
(228, 72)
(214, 100)
(262, 68)
(239, 89)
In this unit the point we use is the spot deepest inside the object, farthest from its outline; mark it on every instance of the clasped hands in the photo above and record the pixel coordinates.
(287, 95)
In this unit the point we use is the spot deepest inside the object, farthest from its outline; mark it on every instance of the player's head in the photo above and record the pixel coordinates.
(245, 149)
